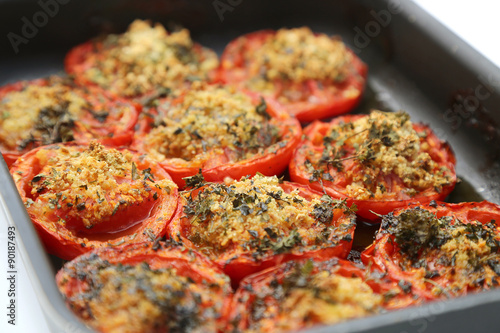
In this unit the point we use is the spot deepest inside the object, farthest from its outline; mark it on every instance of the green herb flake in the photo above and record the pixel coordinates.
(195, 181)
(261, 109)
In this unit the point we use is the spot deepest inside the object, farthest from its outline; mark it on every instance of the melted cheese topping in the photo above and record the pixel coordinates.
(458, 256)
(212, 121)
(323, 298)
(257, 215)
(147, 57)
(377, 146)
(138, 299)
(91, 185)
(33, 113)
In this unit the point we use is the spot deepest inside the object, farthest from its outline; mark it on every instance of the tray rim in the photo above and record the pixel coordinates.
(60, 318)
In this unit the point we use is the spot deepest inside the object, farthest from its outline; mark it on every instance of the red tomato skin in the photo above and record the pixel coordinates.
(269, 164)
(62, 242)
(441, 152)
(381, 254)
(74, 62)
(116, 134)
(241, 264)
(305, 111)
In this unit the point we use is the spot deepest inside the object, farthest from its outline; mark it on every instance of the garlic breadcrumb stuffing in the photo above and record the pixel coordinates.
(125, 298)
(39, 113)
(295, 56)
(299, 55)
(211, 123)
(257, 215)
(90, 185)
(330, 299)
(304, 298)
(370, 150)
(147, 57)
(459, 256)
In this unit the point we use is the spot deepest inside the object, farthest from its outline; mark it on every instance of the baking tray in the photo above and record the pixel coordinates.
(415, 64)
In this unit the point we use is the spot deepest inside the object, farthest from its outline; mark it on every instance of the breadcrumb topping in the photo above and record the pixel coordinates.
(463, 256)
(124, 298)
(213, 121)
(300, 55)
(370, 149)
(257, 215)
(147, 57)
(43, 114)
(92, 185)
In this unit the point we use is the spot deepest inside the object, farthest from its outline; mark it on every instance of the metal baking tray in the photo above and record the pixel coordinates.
(414, 62)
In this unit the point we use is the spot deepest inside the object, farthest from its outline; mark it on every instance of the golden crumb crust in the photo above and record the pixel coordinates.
(91, 184)
(304, 294)
(146, 58)
(213, 123)
(145, 288)
(377, 156)
(257, 215)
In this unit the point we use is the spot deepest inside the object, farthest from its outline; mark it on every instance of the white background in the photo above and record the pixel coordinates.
(474, 21)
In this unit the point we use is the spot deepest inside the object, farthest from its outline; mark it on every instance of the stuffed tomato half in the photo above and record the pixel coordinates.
(248, 225)
(440, 250)
(379, 162)
(146, 287)
(220, 130)
(85, 197)
(143, 61)
(53, 110)
(308, 293)
(311, 75)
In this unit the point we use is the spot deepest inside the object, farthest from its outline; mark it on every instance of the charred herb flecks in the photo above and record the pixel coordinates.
(139, 298)
(367, 150)
(258, 216)
(209, 121)
(446, 248)
(87, 184)
(304, 294)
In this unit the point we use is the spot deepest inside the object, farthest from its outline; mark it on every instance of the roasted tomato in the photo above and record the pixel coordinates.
(81, 197)
(219, 130)
(45, 111)
(142, 61)
(147, 287)
(380, 162)
(440, 250)
(302, 294)
(248, 225)
(312, 75)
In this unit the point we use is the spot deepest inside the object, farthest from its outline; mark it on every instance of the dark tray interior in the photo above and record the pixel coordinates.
(414, 64)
